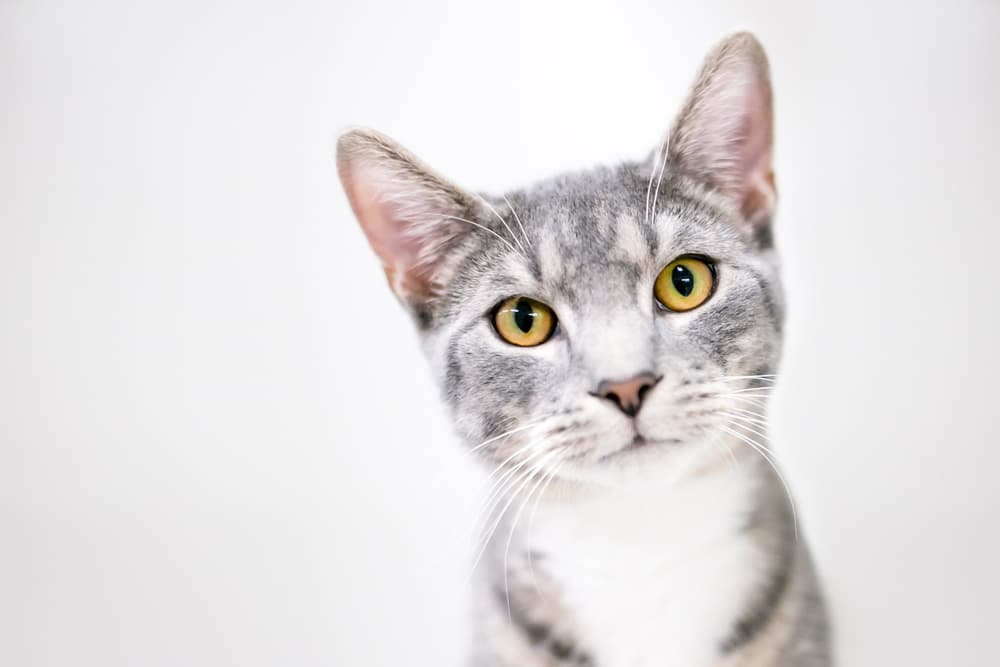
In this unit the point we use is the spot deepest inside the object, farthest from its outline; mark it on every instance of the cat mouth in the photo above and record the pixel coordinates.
(639, 442)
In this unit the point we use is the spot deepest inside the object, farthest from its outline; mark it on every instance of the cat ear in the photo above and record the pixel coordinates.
(407, 211)
(723, 135)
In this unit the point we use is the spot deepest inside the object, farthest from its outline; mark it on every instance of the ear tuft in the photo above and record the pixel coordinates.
(409, 213)
(723, 136)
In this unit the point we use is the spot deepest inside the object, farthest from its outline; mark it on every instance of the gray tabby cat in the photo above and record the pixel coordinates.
(606, 342)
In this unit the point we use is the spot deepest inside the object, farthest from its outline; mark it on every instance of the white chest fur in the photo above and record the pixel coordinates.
(655, 575)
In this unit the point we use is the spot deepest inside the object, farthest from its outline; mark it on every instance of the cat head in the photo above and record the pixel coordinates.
(607, 323)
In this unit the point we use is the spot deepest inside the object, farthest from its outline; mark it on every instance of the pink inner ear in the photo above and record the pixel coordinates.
(757, 127)
(759, 198)
(758, 189)
(724, 135)
(391, 233)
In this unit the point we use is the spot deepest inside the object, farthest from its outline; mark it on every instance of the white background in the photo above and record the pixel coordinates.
(218, 442)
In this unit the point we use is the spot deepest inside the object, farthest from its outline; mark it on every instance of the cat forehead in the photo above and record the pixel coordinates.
(616, 222)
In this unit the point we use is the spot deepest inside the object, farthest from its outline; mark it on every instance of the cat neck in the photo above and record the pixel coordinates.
(651, 514)
(654, 569)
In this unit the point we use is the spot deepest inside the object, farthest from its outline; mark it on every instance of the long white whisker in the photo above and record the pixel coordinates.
(513, 528)
(747, 424)
(510, 478)
(504, 223)
(491, 440)
(513, 496)
(484, 228)
(751, 413)
(748, 399)
(760, 398)
(505, 434)
(504, 482)
(745, 390)
(760, 449)
(502, 465)
(531, 521)
(764, 378)
(493, 485)
(486, 509)
(652, 172)
(751, 420)
(490, 488)
(656, 195)
(518, 219)
(728, 450)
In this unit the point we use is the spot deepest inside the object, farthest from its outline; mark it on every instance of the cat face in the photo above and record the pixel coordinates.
(603, 324)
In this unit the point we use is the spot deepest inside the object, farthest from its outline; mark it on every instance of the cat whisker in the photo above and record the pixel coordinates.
(656, 195)
(652, 173)
(494, 494)
(523, 481)
(749, 425)
(485, 229)
(747, 382)
(504, 223)
(469, 452)
(751, 413)
(518, 219)
(765, 453)
(729, 450)
(765, 389)
(763, 378)
(513, 528)
(749, 420)
(485, 512)
(490, 487)
(502, 466)
(512, 431)
(759, 402)
(531, 522)
(564, 445)
(745, 395)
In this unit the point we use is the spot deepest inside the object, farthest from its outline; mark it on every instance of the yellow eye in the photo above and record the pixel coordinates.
(524, 322)
(685, 283)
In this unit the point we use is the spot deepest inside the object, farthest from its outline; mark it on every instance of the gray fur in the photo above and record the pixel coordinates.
(591, 248)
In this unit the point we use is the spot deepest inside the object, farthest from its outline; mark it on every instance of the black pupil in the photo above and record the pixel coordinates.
(683, 280)
(524, 315)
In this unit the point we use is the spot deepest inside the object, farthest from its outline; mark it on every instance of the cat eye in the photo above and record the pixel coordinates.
(685, 283)
(524, 322)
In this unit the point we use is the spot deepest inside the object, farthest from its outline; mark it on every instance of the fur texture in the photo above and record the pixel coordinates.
(613, 540)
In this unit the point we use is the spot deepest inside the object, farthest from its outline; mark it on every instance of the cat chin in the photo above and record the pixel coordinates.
(668, 460)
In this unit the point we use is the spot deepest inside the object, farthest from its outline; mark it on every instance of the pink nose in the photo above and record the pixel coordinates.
(627, 394)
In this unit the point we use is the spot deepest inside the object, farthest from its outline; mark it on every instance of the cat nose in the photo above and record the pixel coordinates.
(627, 394)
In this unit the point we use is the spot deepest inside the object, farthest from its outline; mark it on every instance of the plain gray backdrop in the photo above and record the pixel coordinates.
(219, 444)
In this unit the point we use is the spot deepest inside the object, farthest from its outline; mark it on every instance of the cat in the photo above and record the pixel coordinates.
(606, 342)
